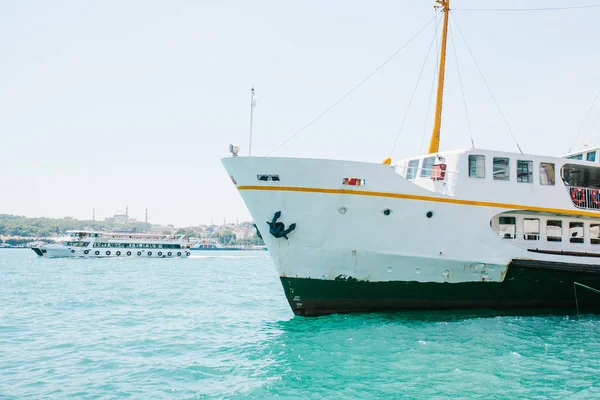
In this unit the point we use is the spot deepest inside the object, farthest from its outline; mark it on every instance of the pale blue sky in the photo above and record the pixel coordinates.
(109, 103)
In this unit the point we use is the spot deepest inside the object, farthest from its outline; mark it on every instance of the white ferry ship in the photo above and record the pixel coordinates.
(454, 229)
(92, 244)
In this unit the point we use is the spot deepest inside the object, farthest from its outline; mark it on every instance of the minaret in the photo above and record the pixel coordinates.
(93, 214)
(126, 213)
(146, 215)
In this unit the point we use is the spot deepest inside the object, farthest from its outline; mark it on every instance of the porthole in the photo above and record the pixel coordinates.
(387, 212)
(429, 214)
(342, 210)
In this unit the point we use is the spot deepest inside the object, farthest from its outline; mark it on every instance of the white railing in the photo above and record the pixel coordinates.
(553, 243)
(434, 179)
(426, 174)
(584, 198)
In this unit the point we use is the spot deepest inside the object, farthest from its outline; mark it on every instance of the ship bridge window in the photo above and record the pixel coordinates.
(501, 168)
(546, 174)
(595, 233)
(576, 232)
(411, 171)
(507, 227)
(531, 228)
(476, 166)
(581, 176)
(591, 156)
(554, 231)
(576, 157)
(427, 166)
(525, 171)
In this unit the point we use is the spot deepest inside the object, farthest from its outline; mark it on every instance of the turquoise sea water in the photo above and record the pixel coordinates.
(217, 325)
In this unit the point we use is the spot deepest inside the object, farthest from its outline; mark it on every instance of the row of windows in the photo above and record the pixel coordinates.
(139, 245)
(591, 156)
(554, 230)
(413, 166)
(77, 244)
(501, 170)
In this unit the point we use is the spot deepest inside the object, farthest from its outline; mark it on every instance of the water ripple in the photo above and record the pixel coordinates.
(219, 326)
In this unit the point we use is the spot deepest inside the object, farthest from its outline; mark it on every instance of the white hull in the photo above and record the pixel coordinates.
(456, 244)
(54, 251)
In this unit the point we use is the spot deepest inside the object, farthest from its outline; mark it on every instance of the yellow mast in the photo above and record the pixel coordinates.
(434, 143)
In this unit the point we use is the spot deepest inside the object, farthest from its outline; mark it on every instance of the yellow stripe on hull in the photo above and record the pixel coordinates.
(422, 198)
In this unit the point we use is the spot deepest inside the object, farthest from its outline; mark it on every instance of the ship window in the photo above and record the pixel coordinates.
(507, 227)
(554, 231)
(576, 157)
(525, 171)
(476, 166)
(595, 233)
(411, 171)
(591, 156)
(576, 232)
(501, 165)
(582, 176)
(546, 173)
(427, 166)
(531, 228)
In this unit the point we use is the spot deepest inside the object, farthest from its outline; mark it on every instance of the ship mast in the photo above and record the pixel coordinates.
(434, 143)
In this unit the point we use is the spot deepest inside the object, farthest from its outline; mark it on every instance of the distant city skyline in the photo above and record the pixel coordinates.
(109, 218)
(106, 104)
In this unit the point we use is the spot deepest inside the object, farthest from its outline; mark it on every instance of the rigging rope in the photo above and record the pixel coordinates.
(413, 93)
(462, 88)
(354, 88)
(527, 9)
(575, 284)
(584, 121)
(486, 84)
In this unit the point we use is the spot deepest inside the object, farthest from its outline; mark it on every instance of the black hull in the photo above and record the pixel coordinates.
(528, 285)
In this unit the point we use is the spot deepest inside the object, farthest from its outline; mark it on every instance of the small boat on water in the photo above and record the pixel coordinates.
(214, 245)
(91, 244)
(466, 228)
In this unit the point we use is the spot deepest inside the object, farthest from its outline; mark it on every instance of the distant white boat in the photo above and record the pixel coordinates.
(90, 244)
(211, 244)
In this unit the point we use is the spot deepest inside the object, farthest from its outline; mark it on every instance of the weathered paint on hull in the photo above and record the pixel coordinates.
(528, 285)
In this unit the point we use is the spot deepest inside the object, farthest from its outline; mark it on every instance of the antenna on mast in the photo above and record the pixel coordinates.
(252, 105)
(434, 143)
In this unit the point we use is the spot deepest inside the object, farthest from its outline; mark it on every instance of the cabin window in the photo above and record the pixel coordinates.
(427, 166)
(531, 229)
(595, 233)
(554, 231)
(476, 166)
(507, 227)
(547, 174)
(581, 176)
(411, 171)
(501, 165)
(576, 232)
(576, 157)
(591, 156)
(525, 171)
